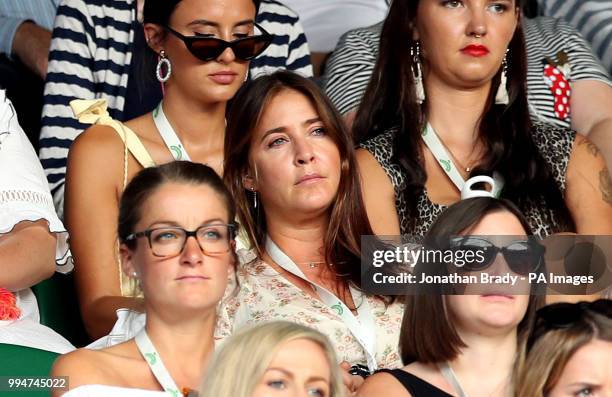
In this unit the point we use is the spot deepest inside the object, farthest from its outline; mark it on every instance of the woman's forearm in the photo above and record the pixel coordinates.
(27, 255)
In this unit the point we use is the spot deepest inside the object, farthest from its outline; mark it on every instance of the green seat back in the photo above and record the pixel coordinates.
(59, 308)
(24, 361)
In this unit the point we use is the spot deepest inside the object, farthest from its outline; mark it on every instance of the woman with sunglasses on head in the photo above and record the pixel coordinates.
(290, 166)
(204, 48)
(446, 102)
(569, 352)
(177, 241)
(448, 342)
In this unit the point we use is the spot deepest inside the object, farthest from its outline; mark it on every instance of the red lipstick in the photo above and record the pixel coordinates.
(475, 50)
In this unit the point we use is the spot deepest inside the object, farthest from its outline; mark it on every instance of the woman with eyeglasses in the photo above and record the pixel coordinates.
(202, 50)
(569, 352)
(290, 166)
(467, 345)
(177, 241)
(446, 102)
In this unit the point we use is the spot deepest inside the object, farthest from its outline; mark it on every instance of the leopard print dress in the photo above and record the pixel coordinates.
(555, 146)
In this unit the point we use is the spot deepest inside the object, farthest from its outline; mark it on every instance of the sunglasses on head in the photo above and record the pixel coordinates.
(523, 257)
(566, 315)
(209, 48)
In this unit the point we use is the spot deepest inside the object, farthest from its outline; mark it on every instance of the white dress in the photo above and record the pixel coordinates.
(115, 391)
(25, 196)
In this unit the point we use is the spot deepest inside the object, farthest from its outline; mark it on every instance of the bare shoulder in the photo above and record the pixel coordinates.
(366, 160)
(86, 366)
(98, 142)
(81, 366)
(382, 383)
(372, 173)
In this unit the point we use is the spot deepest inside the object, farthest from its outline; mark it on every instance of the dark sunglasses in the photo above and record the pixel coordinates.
(565, 315)
(523, 257)
(209, 48)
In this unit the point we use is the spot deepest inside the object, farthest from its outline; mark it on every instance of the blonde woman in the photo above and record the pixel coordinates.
(278, 358)
(570, 352)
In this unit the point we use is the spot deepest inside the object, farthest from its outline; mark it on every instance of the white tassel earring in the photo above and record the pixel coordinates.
(161, 63)
(501, 97)
(417, 75)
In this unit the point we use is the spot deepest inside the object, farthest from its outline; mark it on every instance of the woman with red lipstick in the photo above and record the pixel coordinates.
(447, 102)
(290, 166)
(177, 240)
(202, 50)
(449, 342)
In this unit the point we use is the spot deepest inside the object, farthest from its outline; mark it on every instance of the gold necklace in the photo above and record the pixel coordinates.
(467, 168)
(313, 264)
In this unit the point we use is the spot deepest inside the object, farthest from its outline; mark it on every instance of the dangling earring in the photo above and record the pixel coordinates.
(163, 61)
(246, 76)
(254, 197)
(415, 52)
(501, 97)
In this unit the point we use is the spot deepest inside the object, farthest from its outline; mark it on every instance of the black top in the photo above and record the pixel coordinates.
(415, 385)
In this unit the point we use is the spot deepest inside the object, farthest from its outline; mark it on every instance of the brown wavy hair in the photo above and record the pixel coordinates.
(348, 219)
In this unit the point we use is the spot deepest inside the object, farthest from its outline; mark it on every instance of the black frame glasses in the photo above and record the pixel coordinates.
(522, 256)
(209, 48)
(175, 232)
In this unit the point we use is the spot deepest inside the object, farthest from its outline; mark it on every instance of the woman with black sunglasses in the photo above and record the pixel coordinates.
(177, 240)
(449, 342)
(570, 351)
(203, 48)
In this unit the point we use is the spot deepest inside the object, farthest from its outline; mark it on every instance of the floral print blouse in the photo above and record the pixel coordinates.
(265, 295)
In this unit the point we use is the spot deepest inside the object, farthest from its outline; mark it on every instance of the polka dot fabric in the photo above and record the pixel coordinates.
(560, 88)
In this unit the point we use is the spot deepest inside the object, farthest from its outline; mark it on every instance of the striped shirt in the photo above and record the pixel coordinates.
(90, 57)
(592, 18)
(14, 12)
(352, 62)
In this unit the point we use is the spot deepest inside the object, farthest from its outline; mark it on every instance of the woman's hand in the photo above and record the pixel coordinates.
(351, 382)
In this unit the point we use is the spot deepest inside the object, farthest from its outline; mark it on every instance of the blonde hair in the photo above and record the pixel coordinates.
(553, 349)
(242, 361)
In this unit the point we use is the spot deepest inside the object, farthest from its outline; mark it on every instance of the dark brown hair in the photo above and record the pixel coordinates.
(390, 103)
(428, 334)
(348, 219)
(148, 180)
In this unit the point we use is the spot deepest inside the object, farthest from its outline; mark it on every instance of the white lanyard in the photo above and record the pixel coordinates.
(363, 329)
(168, 134)
(437, 149)
(153, 359)
(439, 152)
(451, 378)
